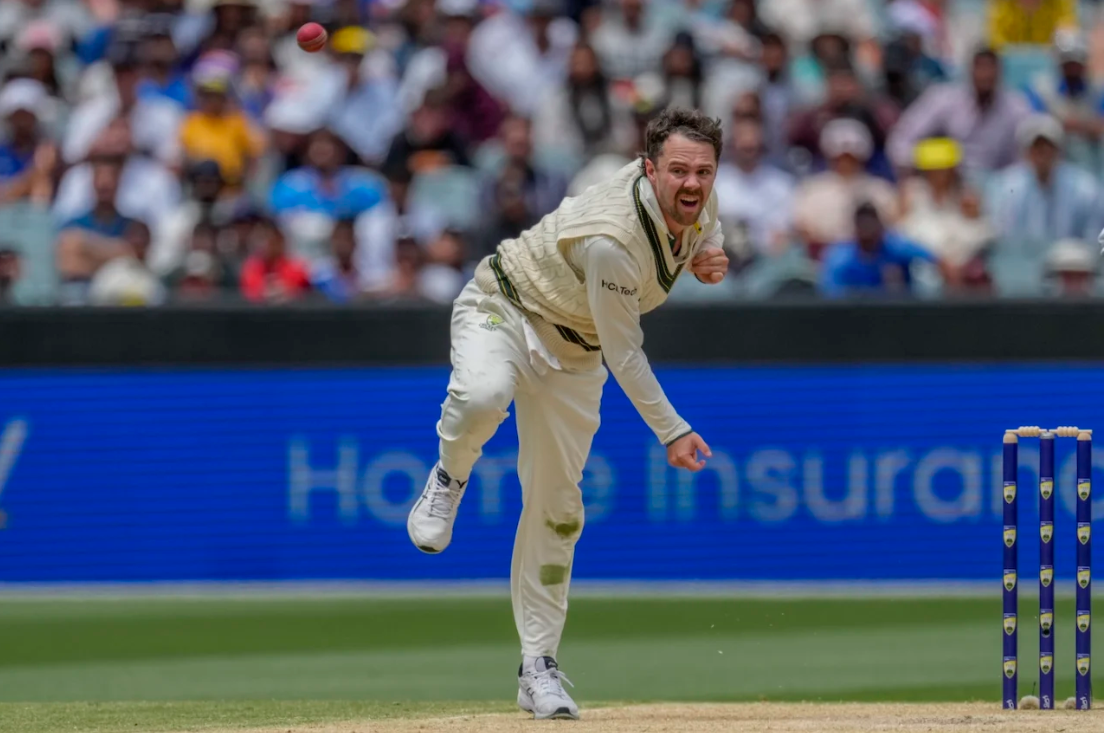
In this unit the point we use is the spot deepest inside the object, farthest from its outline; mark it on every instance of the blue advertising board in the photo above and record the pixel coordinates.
(870, 472)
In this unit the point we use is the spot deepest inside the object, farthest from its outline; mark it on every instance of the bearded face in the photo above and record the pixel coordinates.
(682, 177)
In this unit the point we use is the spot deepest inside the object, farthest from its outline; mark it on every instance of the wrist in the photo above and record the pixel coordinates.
(682, 434)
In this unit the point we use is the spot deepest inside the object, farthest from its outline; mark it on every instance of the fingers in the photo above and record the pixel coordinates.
(688, 462)
(703, 447)
(710, 257)
(710, 265)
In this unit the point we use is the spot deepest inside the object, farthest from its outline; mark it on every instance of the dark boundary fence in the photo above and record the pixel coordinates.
(715, 334)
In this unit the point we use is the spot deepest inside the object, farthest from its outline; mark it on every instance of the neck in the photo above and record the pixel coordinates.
(22, 141)
(1044, 175)
(674, 227)
(104, 210)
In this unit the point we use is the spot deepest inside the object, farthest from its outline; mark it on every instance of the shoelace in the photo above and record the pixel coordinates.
(443, 498)
(548, 682)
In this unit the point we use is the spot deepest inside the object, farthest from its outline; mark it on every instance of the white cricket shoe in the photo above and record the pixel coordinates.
(432, 516)
(541, 693)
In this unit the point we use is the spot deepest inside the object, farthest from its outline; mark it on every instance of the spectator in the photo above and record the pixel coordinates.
(580, 118)
(126, 280)
(10, 272)
(908, 70)
(823, 203)
(324, 185)
(204, 271)
(405, 284)
(627, 42)
(1028, 22)
(520, 56)
(162, 77)
(940, 212)
(428, 143)
(216, 131)
(154, 122)
(1043, 199)
(147, 190)
(27, 159)
(230, 19)
(474, 115)
(846, 98)
(91, 240)
(443, 275)
(379, 230)
(258, 78)
(980, 115)
(928, 20)
(365, 113)
(876, 262)
(745, 15)
(754, 199)
(603, 166)
(801, 21)
(682, 73)
(38, 47)
(70, 19)
(725, 37)
(1072, 98)
(1071, 269)
(204, 203)
(445, 61)
(544, 189)
(777, 98)
(336, 275)
(512, 213)
(271, 275)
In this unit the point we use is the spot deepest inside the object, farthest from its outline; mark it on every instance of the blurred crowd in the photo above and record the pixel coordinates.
(180, 151)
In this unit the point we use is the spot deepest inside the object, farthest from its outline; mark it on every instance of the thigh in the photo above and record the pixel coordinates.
(557, 420)
(488, 351)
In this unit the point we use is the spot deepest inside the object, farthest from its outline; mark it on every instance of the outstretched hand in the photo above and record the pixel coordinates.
(683, 453)
(710, 265)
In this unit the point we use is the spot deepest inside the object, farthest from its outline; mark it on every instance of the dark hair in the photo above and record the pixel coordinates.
(986, 53)
(867, 210)
(690, 123)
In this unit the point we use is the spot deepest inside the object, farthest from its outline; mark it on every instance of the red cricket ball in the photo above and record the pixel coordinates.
(312, 37)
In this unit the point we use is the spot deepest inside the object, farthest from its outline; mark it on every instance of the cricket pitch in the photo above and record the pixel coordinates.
(742, 718)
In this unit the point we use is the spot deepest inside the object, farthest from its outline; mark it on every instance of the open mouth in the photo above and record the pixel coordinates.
(688, 202)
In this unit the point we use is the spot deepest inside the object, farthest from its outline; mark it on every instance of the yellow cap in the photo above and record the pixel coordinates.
(937, 153)
(352, 39)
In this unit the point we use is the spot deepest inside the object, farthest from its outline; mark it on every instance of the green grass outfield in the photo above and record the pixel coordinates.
(193, 661)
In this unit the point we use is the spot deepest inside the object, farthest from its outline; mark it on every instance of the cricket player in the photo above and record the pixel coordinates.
(532, 328)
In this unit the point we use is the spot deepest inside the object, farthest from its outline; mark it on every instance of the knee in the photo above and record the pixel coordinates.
(567, 526)
(482, 401)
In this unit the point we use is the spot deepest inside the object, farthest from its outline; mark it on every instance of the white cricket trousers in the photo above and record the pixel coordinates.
(557, 416)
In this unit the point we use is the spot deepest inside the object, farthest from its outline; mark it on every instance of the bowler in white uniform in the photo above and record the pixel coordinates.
(532, 328)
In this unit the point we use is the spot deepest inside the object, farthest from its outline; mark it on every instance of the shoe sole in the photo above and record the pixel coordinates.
(560, 714)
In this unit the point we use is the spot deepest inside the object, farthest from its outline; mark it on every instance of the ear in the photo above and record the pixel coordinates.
(650, 169)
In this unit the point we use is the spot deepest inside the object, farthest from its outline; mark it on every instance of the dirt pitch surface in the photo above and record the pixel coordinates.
(745, 718)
